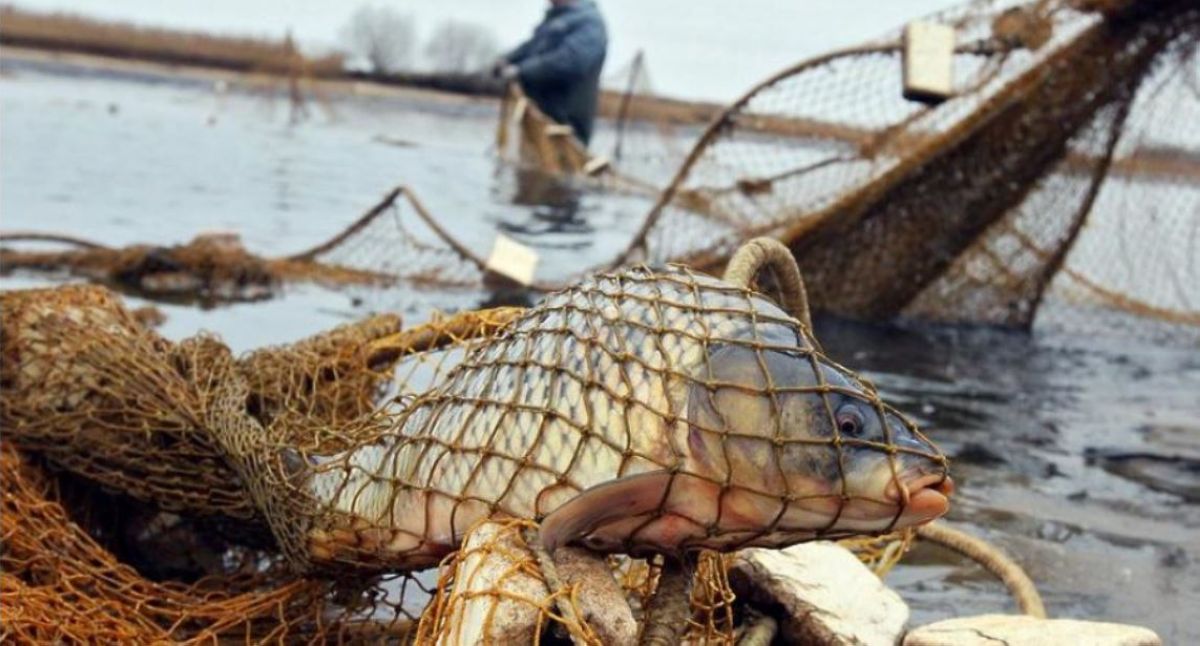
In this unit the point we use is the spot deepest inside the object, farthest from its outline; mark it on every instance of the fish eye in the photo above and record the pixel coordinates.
(850, 421)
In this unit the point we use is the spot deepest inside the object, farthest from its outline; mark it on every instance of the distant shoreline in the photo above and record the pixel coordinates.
(117, 46)
(201, 74)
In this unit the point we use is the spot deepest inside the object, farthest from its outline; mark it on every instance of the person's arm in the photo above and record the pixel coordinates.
(521, 52)
(581, 49)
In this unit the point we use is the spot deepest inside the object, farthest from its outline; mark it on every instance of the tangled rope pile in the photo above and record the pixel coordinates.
(90, 392)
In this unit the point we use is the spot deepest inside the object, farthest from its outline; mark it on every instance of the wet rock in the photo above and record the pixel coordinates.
(1183, 441)
(1171, 474)
(821, 594)
(1022, 630)
(979, 454)
(490, 590)
(495, 600)
(602, 603)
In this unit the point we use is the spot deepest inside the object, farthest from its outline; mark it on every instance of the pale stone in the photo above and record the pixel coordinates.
(488, 602)
(601, 601)
(1023, 630)
(827, 596)
(495, 601)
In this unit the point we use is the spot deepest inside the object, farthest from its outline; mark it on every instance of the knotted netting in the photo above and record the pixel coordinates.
(91, 393)
(395, 241)
(211, 268)
(696, 413)
(1048, 185)
(1049, 174)
(301, 559)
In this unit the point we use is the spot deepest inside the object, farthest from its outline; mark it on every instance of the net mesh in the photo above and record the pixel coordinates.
(202, 452)
(395, 241)
(1048, 187)
(211, 268)
(1046, 178)
(667, 385)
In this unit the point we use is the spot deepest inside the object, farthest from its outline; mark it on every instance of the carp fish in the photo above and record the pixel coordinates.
(636, 412)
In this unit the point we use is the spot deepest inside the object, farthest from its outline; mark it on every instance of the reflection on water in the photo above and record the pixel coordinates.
(555, 202)
(1025, 419)
(1078, 455)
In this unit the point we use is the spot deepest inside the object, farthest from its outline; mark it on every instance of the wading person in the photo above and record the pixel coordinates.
(559, 66)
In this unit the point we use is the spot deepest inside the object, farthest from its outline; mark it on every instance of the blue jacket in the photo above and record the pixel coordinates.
(560, 65)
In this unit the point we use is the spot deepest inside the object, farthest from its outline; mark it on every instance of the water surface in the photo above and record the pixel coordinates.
(1078, 454)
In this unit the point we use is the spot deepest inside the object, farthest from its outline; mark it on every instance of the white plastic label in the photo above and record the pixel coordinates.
(928, 61)
(513, 260)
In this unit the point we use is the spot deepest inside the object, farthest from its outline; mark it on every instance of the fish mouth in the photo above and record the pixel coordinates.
(921, 497)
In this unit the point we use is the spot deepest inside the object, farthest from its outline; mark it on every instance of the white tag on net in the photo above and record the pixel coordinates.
(513, 260)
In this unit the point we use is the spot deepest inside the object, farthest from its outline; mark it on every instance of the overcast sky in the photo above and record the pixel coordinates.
(710, 49)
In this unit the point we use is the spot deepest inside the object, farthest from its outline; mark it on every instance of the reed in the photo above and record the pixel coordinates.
(74, 33)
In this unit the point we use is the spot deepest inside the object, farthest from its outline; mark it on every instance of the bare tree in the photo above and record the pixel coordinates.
(458, 46)
(382, 36)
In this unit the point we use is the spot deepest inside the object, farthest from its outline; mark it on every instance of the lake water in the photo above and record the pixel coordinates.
(709, 49)
(1080, 456)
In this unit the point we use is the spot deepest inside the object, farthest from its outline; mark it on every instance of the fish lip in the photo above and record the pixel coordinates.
(906, 485)
(921, 498)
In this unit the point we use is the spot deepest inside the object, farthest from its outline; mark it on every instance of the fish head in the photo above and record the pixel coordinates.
(768, 443)
(796, 447)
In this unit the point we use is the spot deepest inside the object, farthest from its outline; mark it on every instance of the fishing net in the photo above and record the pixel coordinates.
(526, 136)
(396, 240)
(537, 139)
(1050, 173)
(212, 268)
(640, 138)
(238, 455)
(645, 134)
(96, 396)
(1048, 187)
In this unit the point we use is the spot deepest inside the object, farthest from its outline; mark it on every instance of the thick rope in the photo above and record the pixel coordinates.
(993, 560)
(668, 610)
(770, 255)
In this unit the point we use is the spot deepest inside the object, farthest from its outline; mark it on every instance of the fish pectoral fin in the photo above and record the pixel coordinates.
(629, 496)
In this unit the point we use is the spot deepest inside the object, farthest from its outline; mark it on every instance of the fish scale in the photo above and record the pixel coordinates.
(588, 388)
